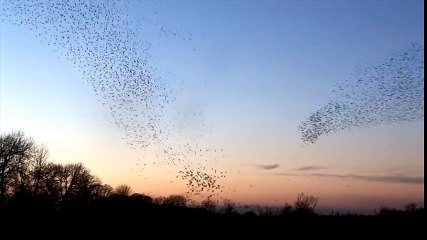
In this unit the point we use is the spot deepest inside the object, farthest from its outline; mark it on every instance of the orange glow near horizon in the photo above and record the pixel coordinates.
(112, 161)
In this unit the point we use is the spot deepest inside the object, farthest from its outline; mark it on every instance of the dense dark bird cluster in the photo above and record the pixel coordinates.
(202, 181)
(392, 92)
(103, 41)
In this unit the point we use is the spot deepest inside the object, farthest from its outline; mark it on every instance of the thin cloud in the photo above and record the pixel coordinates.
(369, 178)
(311, 168)
(263, 166)
(268, 167)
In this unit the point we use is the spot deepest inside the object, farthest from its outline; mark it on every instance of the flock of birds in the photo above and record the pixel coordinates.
(96, 36)
(198, 180)
(103, 41)
(388, 93)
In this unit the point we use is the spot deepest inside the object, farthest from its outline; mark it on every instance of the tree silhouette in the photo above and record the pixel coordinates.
(25, 173)
(77, 183)
(305, 203)
(209, 204)
(17, 153)
(141, 198)
(38, 170)
(159, 200)
(175, 201)
(411, 207)
(229, 207)
(103, 190)
(123, 190)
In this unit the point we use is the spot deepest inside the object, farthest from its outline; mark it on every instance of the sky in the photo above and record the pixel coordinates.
(252, 70)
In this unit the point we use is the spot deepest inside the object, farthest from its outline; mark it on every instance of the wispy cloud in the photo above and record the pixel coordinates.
(369, 178)
(267, 167)
(262, 166)
(311, 168)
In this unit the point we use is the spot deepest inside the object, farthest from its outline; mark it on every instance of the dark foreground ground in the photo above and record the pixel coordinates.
(136, 220)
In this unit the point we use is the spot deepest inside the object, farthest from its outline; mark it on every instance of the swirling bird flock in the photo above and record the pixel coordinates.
(102, 41)
(198, 181)
(388, 93)
(95, 36)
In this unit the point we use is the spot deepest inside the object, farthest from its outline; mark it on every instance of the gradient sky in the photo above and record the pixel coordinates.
(253, 70)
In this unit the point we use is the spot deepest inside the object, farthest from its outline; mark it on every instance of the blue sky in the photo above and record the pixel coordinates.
(255, 70)
(284, 55)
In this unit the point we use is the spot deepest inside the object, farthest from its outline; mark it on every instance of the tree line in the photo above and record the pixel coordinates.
(28, 181)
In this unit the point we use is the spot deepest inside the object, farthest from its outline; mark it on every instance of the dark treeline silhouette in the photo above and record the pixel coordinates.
(35, 191)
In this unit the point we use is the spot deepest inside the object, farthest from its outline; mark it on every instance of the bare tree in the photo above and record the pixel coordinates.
(25, 173)
(306, 203)
(78, 182)
(103, 190)
(123, 190)
(15, 152)
(37, 169)
(51, 178)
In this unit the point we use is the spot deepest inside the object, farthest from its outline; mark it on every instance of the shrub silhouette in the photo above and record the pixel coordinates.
(305, 204)
(286, 210)
(141, 198)
(175, 201)
(123, 190)
(159, 200)
(229, 207)
(209, 205)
